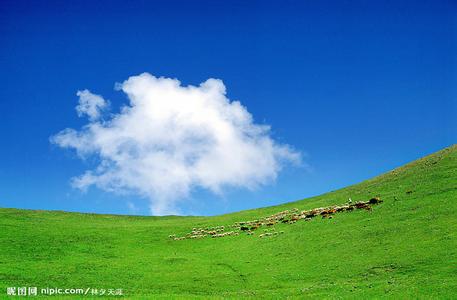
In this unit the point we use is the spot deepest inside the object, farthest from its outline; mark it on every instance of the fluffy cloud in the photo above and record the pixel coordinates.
(90, 105)
(172, 138)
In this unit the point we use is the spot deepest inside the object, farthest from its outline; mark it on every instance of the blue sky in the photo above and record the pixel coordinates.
(359, 87)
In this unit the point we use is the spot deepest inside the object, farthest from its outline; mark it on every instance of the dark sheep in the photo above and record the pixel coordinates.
(375, 200)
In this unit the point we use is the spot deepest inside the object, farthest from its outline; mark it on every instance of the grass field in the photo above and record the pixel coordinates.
(405, 247)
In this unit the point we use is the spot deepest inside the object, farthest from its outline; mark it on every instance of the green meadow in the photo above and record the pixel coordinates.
(405, 247)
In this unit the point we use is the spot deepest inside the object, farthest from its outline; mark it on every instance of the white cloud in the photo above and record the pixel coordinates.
(172, 138)
(90, 104)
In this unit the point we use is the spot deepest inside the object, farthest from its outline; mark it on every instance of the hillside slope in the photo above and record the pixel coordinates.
(404, 247)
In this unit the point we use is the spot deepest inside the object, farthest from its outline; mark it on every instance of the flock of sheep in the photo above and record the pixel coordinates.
(286, 217)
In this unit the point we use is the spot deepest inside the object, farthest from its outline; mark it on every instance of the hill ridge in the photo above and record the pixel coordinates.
(404, 248)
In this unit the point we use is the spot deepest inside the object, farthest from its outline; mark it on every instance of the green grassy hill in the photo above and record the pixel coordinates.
(405, 247)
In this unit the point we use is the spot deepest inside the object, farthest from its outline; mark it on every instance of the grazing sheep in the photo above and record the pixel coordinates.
(361, 205)
(286, 217)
